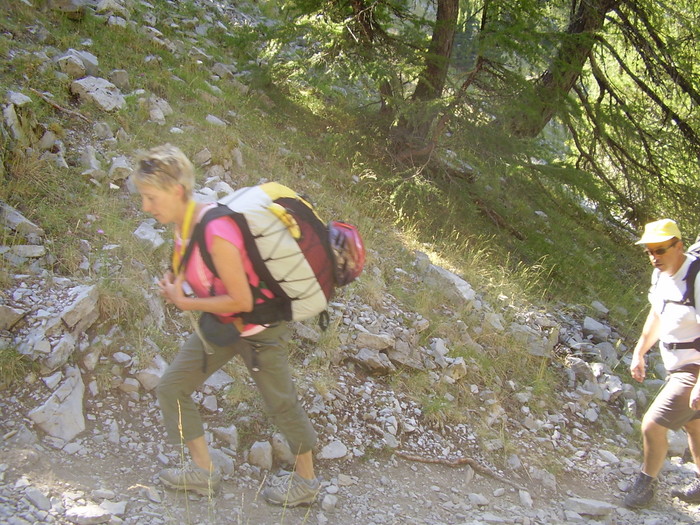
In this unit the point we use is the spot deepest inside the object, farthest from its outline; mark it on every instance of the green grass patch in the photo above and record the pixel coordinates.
(14, 367)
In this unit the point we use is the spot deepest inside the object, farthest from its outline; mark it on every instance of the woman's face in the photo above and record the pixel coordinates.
(165, 205)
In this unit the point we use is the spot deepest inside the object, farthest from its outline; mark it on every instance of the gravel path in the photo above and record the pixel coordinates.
(109, 476)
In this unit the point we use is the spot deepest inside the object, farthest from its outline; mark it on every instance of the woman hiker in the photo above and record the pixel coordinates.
(165, 179)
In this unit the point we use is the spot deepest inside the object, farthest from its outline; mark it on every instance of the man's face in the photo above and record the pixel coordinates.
(667, 256)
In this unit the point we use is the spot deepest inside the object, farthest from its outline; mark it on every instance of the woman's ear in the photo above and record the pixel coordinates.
(180, 192)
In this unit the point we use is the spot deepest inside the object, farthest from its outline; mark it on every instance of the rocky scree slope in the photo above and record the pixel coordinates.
(82, 446)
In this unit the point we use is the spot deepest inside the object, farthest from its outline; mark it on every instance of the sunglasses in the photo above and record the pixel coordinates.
(148, 167)
(157, 166)
(660, 251)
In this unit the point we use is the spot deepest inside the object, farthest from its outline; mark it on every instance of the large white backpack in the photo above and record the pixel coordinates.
(298, 258)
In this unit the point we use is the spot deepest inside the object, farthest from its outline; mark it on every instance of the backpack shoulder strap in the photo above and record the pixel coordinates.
(197, 238)
(690, 276)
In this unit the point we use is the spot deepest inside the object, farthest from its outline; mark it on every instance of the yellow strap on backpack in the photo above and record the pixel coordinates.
(275, 191)
(184, 237)
(283, 215)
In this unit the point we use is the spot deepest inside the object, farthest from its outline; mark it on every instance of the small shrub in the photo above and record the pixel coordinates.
(14, 367)
(122, 301)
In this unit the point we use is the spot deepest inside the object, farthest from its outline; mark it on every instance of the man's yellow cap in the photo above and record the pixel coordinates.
(659, 231)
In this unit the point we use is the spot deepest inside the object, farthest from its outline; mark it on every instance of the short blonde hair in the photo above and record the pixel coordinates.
(164, 167)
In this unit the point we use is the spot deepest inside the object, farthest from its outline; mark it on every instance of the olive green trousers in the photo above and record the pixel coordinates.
(265, 355)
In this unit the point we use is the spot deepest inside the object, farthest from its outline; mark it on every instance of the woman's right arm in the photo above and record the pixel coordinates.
(229, 265)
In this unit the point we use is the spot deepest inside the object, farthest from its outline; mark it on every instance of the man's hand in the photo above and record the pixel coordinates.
(171, 288)
(694, 401)
(638, 367)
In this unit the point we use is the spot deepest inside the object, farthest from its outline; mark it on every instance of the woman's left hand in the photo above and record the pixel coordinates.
(171, 288)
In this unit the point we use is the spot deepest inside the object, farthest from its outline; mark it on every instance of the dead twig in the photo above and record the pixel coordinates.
(60, 108)
(457, 462)
(497, 219)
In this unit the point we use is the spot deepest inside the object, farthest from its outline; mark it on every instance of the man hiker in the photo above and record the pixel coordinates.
(675, 323)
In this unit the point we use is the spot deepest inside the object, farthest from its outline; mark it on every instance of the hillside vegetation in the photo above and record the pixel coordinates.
(202, 76)
(524, 242)
(499, 224)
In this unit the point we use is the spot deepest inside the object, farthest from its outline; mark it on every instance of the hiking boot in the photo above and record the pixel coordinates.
(690, 493)
(641, 493)
(291, 490)
(191, 477)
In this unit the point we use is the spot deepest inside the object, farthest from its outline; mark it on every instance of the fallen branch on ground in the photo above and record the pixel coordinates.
(457, 462)
(60, 108)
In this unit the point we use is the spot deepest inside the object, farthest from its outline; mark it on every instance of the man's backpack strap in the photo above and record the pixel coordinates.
(695, 344)
(694, 250)
(689, 295)
(688, 298)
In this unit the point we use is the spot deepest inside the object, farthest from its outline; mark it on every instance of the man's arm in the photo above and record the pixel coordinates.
(649, 337)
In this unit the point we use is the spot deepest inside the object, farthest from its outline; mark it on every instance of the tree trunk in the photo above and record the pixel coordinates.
(413, 130)
(432, 79)
(554, 85)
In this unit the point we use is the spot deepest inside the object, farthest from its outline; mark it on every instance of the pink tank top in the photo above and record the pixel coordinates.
(201, 279)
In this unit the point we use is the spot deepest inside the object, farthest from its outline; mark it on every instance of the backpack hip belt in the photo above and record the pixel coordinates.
(683, 345)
